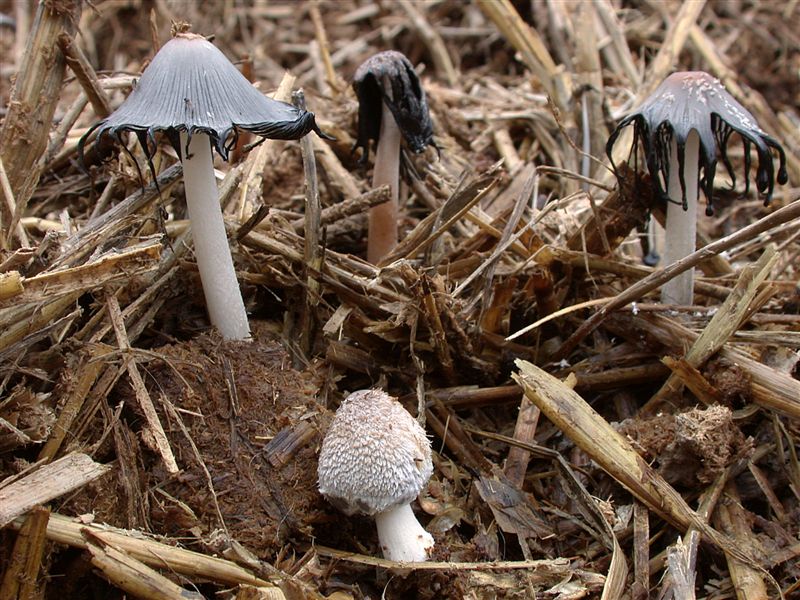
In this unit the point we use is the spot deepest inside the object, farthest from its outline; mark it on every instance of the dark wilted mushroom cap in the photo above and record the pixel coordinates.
(390, 77)
(696, 100)
(191, 86)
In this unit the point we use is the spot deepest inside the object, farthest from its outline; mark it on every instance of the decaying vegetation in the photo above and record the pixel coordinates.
(588, 440)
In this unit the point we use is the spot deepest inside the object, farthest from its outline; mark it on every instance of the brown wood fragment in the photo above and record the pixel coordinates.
(589, 82)
(84, 72)
(324, 47)
(46, 483)
(763, 482)
(349, 357)
(22, 579)
(731, 518)
(771, 389)
(570, 413)
(312, 236)
(351, 206)
(432, 227)
(10, 284)
(110, 268)
(108, 224)
(529, 43)
(131, 575)
(87, 369)
(513, 511)
(66, 530)
(723, 324)
(664, 62)
(493, 317)
(651, 282)
(11, 205)
(694, 380)
(34, 97)
(524, 431)
(137, 500)
(432, 39)
(594, 265)
(681, 573)
(287, 441)
(622, 211)
(640, 590)
(247, 592)
(427, 291)
(541, 282)
(620, 377)
(606, 11)
(23, 328)
(162, 445)
(561, 566)
(466, 397)
(447, 427)
(12, 437)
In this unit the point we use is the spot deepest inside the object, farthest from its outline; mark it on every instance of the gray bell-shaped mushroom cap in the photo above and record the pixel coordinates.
(696, 100)
(390, 77)
(374, 457)
(191, 86)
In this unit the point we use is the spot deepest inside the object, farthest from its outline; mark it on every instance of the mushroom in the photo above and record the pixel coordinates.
(391, 107)
(193, 94)
(682, 127)
(375, 459)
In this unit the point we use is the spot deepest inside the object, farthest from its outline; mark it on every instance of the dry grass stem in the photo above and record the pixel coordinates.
(46, 483)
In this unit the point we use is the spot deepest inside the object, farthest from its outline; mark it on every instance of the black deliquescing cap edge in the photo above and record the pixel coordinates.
(156, 104)
(656, 138)
(223, 141)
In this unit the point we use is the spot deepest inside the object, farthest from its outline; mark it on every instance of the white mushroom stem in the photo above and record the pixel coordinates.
(220, 286)
(401, 536)
(681, 229)
(382, 233)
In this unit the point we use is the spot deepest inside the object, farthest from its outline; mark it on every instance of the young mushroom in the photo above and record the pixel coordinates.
(192, 94)
(682, 127)
(391, 107)
(375, 459)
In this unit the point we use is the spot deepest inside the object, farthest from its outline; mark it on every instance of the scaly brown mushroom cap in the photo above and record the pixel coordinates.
(375, 456)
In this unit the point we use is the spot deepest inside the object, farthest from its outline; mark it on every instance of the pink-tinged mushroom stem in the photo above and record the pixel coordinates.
(681, 227)
(220, 286)
(382, 233)
(401, 536)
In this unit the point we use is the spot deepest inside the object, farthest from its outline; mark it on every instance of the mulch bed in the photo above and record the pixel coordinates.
(589, 441)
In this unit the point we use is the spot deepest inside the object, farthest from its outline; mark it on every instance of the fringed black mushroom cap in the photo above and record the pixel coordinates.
(191, 86)
(696, 100)
(390, 77)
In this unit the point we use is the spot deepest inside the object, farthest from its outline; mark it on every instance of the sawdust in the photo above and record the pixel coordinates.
(230, 400)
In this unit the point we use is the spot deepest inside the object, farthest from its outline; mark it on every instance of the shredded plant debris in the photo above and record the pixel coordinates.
(589, 441)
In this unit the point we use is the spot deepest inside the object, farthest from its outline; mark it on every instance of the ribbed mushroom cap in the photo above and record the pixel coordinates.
(191, 86)
(390, 77)
(696, 100)
(375, 456)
